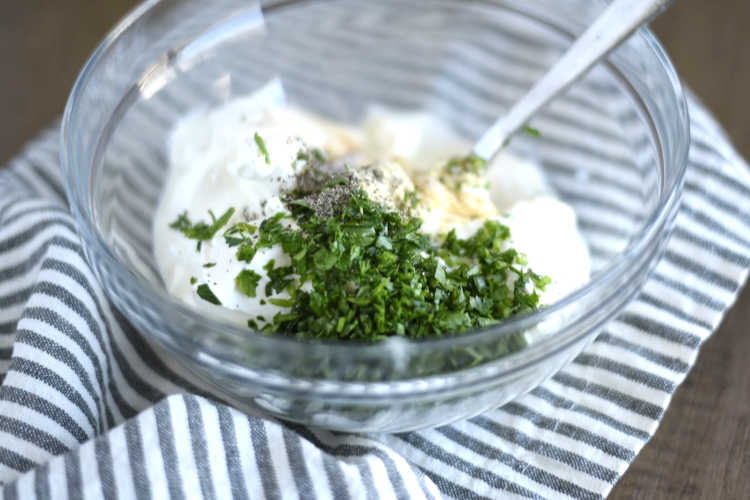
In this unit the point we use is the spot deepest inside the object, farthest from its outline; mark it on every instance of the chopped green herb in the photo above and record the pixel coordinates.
(201, 231)
(532, 131)
(459, 170)
(209, 264)
(206, 294)
(262, 147)
(246, 252)
(239, 233)
(193, 280)
(411, 198)
(312, 157)
(301, 203)
(319, 155)
(471, 164)
(335, 182)
(247, 282)
(281, 302)
(369, 273)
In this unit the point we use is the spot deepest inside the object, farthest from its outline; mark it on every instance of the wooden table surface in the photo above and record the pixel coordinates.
(702, 449)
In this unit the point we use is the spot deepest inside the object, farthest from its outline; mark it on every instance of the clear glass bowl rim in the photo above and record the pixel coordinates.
(77, 196)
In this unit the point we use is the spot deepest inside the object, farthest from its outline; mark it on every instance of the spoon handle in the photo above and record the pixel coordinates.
(618, 21)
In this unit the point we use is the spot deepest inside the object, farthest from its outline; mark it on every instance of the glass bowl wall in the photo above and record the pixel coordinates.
(614, 147)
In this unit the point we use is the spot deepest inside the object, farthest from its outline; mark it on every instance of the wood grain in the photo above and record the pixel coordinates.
(43, 44)
(702, 449)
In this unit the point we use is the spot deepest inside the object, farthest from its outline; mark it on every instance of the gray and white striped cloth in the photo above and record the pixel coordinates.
(88, 409)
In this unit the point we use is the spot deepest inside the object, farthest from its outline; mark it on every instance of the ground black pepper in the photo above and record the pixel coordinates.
(327, 187)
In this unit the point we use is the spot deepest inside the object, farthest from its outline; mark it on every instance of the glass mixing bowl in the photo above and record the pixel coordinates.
(614, 147)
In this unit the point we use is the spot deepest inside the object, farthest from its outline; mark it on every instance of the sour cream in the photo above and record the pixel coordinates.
(218, 160)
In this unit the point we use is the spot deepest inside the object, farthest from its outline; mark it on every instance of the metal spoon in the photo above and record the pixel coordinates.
(618, 21)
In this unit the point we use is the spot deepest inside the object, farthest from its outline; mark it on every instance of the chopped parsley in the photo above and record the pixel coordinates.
(365, 272)
(471, 164)
(532, 131)
(247, 282)
(206, 294)
(262, 147)
(411, 198)
(319, 156)
(313, 157)
(459, 171)
(240, 235)
(338, 181)
(201, 231)
(370, 273)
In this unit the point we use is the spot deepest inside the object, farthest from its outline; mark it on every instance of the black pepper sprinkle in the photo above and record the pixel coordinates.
(330, 201)
(327, 187)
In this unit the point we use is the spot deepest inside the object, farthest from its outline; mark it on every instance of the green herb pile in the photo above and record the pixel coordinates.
(373, 274)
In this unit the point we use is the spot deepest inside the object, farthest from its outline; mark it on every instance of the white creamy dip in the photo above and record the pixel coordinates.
(216, 163)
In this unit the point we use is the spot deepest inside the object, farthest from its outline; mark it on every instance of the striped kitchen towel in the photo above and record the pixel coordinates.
(88, 409)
